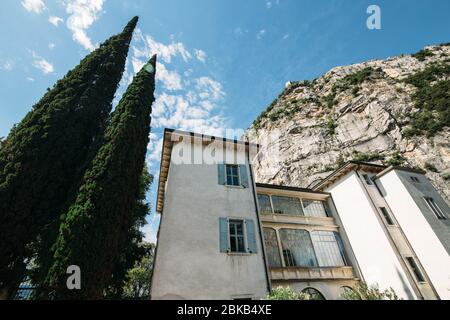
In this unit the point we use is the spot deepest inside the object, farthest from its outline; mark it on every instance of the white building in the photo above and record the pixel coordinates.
(398, 226)
(223, 236)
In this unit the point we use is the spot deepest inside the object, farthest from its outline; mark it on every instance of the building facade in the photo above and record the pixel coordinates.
(224, 236)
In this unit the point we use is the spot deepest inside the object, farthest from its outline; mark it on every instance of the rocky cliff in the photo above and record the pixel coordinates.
(394, 111)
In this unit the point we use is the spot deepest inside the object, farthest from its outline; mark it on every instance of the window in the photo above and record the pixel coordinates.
(314, 294)
(414, 179)
(287, 205)
(435, 208)
(264, 204)
(289, 259)
(415, 269)
(327, 248)
(272, 250)
(232, 173)
(367, 179)
(236, 233)
(297, 248)
(387, 216)
(314, 208)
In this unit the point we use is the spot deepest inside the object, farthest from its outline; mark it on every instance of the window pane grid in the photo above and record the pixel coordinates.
(232, 174)
(435, 208)
(272, 249)
(297, 242)
(314, 208)
(264, 204)
(327, 249)
(236, 229)
(287, 205)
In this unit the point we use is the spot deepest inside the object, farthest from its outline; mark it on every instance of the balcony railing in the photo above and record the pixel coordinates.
(314, 273)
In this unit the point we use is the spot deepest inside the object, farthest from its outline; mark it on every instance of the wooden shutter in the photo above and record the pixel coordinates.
(221, 174)
(251, 236)
(223, 235)
(243, 175)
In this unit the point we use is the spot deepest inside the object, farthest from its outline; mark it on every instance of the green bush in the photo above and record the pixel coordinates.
(286, 293)
(363, 292)
(396, 159)
(432, 98)
(366, 157)
(430, 167)
(423, 54)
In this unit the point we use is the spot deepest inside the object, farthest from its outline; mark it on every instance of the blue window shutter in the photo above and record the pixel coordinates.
(223, 230)
(251, 236)
(243, 175)
(221, 174)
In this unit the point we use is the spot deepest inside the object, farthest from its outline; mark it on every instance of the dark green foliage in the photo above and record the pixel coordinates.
(431, 167)
(366, 157)
(45, 155)
(331, 126)
(396, 159)
(423, 54)
(432, 98)
(94, 231)
(329, 100)
(138, 279)
(135, 250)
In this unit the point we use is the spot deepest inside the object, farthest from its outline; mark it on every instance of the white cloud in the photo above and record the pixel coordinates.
(55, 20)
(200, 55)
(30, 79)
(261, 33)
(270, 3)
(164, 52)
(36, 6)
(51, 46)
(83, 13)
(42, 64)
(7, 66)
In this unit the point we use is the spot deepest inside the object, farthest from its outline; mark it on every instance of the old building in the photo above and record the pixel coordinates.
(224, 236)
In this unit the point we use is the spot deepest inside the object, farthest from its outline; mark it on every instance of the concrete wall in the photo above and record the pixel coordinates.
(189, 264)
(376, 259)
(429, 236)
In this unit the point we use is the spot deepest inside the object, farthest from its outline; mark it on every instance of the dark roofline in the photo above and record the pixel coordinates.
(212, 138)
(289, 188)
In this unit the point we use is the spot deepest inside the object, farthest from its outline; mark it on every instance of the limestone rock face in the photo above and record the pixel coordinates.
(356, 112)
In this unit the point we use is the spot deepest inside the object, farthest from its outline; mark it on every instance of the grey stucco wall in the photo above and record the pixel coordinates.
(189, 264)
(425, 189)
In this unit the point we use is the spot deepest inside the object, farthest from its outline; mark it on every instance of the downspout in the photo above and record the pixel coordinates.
(263, 248)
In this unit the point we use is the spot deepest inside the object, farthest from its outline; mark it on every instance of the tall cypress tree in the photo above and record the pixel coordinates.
(95, 229)
(45, 155)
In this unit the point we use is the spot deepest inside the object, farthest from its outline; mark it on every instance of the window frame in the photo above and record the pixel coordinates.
(238, 175)
(302, 214)
(413, 266)
(387, 216)
(236, 236)
(367, 180)
(434, 207)
(414, 179)
(315, 292)
(270, 203)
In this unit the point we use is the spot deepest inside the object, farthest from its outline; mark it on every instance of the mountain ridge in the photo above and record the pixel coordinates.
(394, 112)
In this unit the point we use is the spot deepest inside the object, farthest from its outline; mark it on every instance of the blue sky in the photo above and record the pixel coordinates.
(221, 62)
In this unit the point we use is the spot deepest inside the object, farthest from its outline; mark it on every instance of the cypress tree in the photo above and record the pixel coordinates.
(94, 231)
(45, 155)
